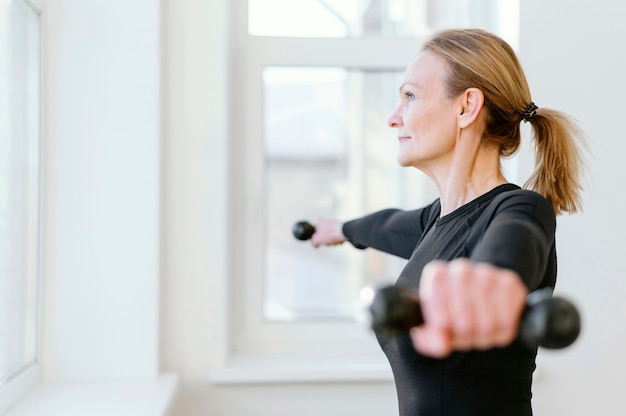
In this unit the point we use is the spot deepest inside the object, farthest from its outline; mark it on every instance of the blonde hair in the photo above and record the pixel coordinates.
(479, 59)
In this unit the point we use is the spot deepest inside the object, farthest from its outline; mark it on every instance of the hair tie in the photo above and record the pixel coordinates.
(529, 112)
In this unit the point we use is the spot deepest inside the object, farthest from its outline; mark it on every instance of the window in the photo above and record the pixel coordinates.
(312, 91)
(19, 187)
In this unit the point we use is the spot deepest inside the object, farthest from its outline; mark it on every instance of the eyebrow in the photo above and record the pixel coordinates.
(404, 84)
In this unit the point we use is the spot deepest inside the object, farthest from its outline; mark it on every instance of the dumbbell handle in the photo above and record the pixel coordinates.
(547, 321)
(304, 230)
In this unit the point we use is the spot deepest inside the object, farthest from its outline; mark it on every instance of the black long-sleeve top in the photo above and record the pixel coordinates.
(507, 227)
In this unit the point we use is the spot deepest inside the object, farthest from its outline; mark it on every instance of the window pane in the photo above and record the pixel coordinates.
(328, 153)
(19, 185)
(360, 18)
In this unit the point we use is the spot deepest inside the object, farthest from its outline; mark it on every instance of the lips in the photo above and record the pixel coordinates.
(403, 139)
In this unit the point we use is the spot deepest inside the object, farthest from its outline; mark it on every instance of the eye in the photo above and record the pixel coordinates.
(409, 96)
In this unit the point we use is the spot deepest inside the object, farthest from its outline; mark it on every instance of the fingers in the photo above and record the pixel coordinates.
(462, 304)
(431, 341)
(328, 232)
(434, 338)
(467, 306)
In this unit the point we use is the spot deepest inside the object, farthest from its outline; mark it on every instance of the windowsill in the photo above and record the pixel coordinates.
(18, 388)
(302, 368)
(145, 397)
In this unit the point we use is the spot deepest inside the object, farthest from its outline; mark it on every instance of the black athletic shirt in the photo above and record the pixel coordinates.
(507, 227)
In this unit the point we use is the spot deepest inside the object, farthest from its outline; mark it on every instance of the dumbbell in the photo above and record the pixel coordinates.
(547, 321)
(304, 230)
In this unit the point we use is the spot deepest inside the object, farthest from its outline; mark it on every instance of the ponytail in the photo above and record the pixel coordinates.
(558, 159)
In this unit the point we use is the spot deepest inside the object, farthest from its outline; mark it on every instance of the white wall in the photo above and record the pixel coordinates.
(101, 181)
(103, 235)
(575, 62)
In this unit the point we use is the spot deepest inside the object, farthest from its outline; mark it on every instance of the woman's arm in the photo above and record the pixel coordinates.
(392, 231)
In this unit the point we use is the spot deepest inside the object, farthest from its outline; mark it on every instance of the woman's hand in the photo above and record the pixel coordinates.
(328, 233)
(467, 306)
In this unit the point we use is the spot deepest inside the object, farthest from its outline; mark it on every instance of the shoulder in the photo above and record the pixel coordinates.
(524, 203)
(523, 197)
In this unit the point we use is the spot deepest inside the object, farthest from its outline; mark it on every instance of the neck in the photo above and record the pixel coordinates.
(456, 194)
(471, 172)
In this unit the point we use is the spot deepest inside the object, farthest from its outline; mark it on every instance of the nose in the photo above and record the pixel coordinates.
(394, 120)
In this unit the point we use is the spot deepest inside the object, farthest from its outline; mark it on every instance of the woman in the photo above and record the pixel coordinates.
(477, 251)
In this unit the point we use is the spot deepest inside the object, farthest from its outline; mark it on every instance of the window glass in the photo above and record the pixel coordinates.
(328, 153)
(19, 186)
(362, 18)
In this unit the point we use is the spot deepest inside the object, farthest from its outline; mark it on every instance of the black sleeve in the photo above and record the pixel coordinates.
(520, 237)
(392, 231)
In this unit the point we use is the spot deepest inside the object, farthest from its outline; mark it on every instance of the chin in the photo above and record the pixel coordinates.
(404, 163)
(406, 157)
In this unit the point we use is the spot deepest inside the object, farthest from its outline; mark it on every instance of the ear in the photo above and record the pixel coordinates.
(470, 102)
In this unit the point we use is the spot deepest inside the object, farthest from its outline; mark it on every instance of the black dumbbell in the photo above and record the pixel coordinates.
(304, 230)
(547, 321)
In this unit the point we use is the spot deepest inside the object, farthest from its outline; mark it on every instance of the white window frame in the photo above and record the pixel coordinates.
(317, 345)
(21, 383)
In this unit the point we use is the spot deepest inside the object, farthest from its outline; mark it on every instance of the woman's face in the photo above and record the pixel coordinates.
(426, 118)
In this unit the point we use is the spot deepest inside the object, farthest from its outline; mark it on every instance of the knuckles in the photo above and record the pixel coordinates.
(476, 305)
